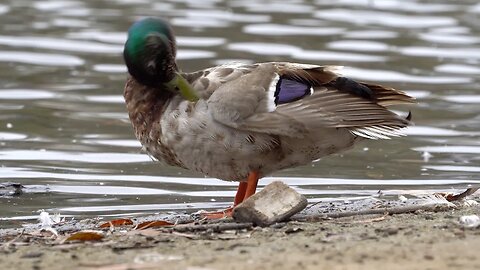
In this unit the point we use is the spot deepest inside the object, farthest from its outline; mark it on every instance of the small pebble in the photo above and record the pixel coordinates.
(293, 230)
(32, 255)
(470, 221)
(428, 257)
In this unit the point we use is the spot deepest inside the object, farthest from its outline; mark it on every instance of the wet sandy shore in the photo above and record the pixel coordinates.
(418, 240)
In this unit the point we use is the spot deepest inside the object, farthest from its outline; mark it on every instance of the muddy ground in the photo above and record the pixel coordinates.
(416, 240)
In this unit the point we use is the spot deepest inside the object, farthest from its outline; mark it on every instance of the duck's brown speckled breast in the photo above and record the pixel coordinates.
(145, 106)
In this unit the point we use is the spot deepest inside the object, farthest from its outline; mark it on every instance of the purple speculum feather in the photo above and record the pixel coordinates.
(289, 91)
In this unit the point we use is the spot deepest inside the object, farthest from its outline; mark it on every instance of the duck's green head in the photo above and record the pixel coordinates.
(150, 52)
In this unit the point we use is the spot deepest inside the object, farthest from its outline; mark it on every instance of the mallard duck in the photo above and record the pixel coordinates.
(240, 122)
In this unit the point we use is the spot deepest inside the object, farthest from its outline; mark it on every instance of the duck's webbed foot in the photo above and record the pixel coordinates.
(245, 190)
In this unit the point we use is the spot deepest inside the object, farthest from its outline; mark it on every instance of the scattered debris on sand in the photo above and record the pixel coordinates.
(370, 232)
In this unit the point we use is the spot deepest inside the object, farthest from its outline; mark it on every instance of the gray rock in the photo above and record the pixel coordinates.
(275, 203)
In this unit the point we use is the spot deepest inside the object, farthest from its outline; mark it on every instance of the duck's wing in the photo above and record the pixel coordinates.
(207, 81)
(345, 103)
(294, 99)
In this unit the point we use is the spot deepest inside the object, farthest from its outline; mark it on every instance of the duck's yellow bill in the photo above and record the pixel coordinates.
(179, 84)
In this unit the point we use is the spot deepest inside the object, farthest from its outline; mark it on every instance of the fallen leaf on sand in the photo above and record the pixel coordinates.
(117, 223)
(85, 236)
(153, 224)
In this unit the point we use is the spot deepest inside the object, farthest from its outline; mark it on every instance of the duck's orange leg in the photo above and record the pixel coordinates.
(242, 188)
(245, 190)
(251, 184)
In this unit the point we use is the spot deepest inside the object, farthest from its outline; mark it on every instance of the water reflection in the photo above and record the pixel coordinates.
(60, 44)
(33, 94)
(458, 69)
(43, 59)
(394, 76)
(358, 45)
(387, 19)
(300, 54)
(65, 134)
(285, 30)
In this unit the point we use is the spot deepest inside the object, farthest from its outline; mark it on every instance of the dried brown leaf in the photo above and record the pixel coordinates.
(153, 224)
(86, 236)
(117, 223)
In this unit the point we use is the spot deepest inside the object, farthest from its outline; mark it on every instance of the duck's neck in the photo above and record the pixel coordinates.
(145, 106)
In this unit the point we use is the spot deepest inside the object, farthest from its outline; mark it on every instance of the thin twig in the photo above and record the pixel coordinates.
(7, 245)
(378, 211)
(461, 196)
(370, 220)
(218, 227)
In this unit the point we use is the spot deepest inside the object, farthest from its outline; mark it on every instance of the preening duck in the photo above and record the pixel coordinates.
(240, 122)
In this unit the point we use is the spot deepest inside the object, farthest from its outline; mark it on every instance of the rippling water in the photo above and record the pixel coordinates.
(65, 133)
